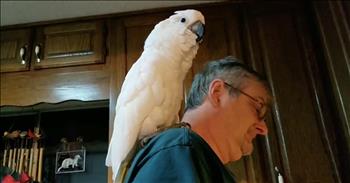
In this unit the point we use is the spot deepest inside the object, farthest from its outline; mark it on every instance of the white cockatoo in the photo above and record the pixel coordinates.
(152, 92)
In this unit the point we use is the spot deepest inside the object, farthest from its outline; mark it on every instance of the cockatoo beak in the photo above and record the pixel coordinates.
(198, 29)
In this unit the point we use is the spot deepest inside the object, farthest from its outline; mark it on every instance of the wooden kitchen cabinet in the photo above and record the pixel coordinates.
(62, 46)
(68, 44)
(303, 134)
(13, 42)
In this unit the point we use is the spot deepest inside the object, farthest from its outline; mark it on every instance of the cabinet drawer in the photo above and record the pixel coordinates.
(69, 44)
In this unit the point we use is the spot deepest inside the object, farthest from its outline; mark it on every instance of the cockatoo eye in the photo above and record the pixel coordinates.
(183, 20)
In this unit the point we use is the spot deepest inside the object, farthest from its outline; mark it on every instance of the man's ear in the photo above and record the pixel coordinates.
(216, 89)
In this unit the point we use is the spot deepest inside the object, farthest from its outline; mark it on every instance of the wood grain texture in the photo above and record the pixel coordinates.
(8, 49)
(73, 43)
(320, 102)
(336, 46)
(55, 85)
(11, 43)
(70, 44)
(116, 59)
(295, 114)
(334, 34)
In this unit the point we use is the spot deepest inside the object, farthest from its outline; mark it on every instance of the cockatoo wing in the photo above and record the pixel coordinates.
(141, 95)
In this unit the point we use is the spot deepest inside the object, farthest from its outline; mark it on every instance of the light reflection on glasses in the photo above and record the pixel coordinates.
(260, 112)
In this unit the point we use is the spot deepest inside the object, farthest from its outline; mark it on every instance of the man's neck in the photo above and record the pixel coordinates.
(202, 122)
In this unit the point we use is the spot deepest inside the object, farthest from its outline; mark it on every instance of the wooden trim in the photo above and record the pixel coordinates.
(55, 85)
(117, 71)
(9, 110)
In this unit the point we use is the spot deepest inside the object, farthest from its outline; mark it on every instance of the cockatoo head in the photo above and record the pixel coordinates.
(183, 30)
(192, 20)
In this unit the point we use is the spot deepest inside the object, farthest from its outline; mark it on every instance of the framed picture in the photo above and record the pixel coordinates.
(70, 161)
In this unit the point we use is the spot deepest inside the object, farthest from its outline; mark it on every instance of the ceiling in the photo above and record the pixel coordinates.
(19, 12)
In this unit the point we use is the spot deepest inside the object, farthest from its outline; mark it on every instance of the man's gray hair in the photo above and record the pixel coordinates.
(230, 70)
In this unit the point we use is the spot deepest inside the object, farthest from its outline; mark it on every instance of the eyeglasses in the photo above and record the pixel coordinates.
(261, 113)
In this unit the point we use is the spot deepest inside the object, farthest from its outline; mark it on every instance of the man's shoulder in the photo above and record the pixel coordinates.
(183, 152)
(174, 137)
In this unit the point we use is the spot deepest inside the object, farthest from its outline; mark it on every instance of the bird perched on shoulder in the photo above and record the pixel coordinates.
(152, 91)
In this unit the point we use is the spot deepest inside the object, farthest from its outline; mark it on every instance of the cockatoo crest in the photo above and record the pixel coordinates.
(152, 91)
(176, 36)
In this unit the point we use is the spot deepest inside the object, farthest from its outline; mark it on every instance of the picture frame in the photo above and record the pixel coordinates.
(70, 161)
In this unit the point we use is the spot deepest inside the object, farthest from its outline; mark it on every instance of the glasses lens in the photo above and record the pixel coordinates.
(262, 111)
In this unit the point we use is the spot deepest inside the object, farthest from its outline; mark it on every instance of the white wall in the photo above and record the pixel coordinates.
(18, 12)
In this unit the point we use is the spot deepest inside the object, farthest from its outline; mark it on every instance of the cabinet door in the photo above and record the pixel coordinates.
(12, 43)
(301, 137)
(69, 44)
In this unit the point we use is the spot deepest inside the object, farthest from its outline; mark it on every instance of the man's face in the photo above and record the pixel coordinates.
(245, 118)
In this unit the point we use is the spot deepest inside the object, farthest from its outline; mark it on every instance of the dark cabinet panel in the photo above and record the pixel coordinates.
(332, 23)
(283, 48)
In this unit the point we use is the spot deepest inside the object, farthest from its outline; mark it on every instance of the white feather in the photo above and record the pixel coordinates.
(151, 94)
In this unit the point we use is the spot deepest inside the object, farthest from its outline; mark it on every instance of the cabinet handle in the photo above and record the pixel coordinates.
(279, 176)
(22, 53)
(37, 53)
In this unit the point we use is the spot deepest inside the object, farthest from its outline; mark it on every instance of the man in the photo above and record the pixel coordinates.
(225, 110)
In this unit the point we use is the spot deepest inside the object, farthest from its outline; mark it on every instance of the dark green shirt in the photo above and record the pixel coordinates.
(177, 155)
